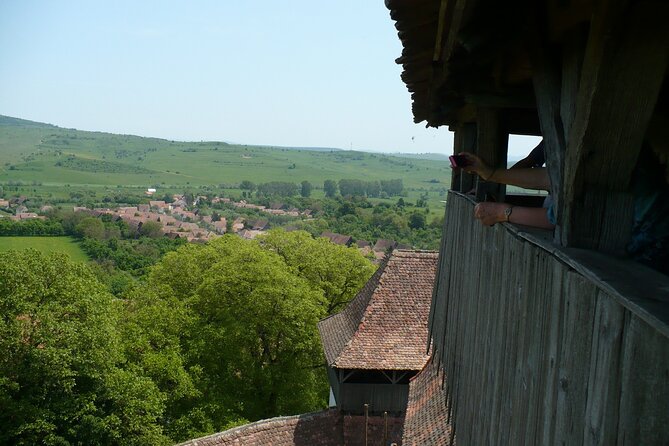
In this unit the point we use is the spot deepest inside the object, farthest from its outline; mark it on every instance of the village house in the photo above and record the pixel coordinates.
(159, 205)
(26, 216)
(382, 246)
(250, 234)
(338, 239)
(179, 203)
(258, 225)
(220, 226)
(127, 210)
(238, 224)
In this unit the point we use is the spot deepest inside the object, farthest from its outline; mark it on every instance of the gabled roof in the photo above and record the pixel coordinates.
(385, 326)
(383, 245)
(337, 239)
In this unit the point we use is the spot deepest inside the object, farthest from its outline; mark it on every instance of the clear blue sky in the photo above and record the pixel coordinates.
(291, 73)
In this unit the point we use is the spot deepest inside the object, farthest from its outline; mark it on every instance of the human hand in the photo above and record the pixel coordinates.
(490, 213)
(476, 165)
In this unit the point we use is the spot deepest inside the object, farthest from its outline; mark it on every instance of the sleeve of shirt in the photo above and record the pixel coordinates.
(550, 213)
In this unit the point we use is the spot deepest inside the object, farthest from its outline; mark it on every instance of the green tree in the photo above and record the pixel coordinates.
(279, 188)
(306, 188)
(247, 185)
(262, 319)
(62, 379)
(346, 208)
(330, 188)
(156, 324)
(151, 229)
(91, 227)
(417, 220)
(337, 271)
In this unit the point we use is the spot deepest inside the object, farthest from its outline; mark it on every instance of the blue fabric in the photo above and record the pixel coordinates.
(550, 213)
(650, 233)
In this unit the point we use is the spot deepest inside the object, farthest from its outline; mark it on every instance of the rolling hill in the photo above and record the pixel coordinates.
(52, 155)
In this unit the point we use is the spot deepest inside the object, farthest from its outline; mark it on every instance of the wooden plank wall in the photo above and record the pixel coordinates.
(535, 353)
(380, 397)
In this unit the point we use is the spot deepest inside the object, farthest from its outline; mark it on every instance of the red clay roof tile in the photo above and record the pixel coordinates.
(385, 326)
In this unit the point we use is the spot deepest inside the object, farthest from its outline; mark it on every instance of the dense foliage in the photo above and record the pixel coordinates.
(30, 227)
(215, 335)
(387, 188)
(63, 377)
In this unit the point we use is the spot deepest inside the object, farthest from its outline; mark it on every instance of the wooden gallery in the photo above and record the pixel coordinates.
(549, 336)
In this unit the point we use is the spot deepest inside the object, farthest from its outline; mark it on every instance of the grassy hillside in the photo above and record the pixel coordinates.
(50, 154)
(55, 157)
(65, 245)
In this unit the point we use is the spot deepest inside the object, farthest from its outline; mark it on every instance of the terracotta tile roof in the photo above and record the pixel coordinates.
(325, 428)
(318, 429)
(427, 414)
(385, 326)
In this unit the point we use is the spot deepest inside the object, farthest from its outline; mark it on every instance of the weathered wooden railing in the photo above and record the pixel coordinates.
(542, 345)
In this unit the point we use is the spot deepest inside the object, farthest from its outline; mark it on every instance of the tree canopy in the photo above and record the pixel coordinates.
(214, 335)
(61, 374)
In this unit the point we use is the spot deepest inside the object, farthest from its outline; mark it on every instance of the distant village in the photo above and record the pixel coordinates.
(177, 221)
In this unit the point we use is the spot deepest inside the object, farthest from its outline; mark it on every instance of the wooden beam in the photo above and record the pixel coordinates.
(521, 122)
(492, 142)
(546, 78)
(624, 66)
(464, 141)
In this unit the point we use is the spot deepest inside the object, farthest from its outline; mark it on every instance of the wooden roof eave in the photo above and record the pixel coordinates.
(428, 30)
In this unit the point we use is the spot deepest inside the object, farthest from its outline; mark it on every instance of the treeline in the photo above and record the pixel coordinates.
(404, 222)
(375, 189)
(30, 227)
(346, 187)
(215, 335)
(278, 188)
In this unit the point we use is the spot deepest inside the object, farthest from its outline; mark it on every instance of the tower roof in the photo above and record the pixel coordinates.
(385, 326)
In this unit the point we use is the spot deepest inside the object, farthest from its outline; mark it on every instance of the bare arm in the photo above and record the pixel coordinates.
(528, 178)
(491, 213)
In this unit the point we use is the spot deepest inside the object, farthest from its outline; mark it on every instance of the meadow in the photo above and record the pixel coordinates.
(46, 159)
(66, 245)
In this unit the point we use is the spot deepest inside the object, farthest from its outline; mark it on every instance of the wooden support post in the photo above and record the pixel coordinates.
(556, 91)
(624, 65)
(464, 141)
(491, 145)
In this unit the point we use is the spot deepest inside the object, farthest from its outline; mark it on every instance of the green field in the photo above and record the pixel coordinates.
(52, 160)
(66, 245)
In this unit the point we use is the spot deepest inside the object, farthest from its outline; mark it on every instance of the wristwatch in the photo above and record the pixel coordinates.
(507, 212)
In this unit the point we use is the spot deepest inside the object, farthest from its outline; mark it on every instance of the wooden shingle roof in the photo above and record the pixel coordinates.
(385, 326)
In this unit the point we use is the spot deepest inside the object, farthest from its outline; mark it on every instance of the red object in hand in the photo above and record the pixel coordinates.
(458, 161)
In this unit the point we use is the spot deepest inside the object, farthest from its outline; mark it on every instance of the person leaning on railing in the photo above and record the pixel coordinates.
(525, 177)
(650, 187)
